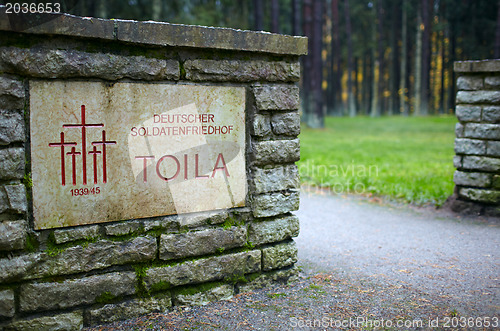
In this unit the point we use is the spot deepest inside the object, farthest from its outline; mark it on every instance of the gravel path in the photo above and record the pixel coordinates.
(364, 262)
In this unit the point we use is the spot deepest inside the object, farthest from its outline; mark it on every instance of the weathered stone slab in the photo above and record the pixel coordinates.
(481, 163)
(13, 199)
(12, 163)
(278, 178)
(272, 204)
(468, 113)
(470, 146)
(459, 130)
(261, 125)
(11, 127)
(493, 148)
(276, 97)
(287, 124)
(273, 230)
(492, 82)
(466, 83)
(472, 97)
(69, 321)
(222, 292)
(479, 195)
(276, 151)
(482, 131)
(77, 233)
(491, 114)
(457, 161)
(265, 279)
(478, 179)
(7, 303)
(122, 229)
(279, 256)
(70, 293)
(202, 242)
(11, 93)
(204, 270)
(12, 235)
(148, 150)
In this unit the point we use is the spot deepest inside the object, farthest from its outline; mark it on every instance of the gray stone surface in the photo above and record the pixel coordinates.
(268, 278)
(242, 71)
(481, 163)
(13, 198)
(76, 233)
(97, 255)
(276, 97)
(491, 114)
(468, 113)
(11, 127)
(457, 161)
(12, 235)
(222, 292)
(122, 229)
(165, 223)
(12, 163)
(276, 178)
(273, 230)
(493, 148)
(52, 63)
(60, 322)
(194, 220)
(202, 242)
(492, 82)
(7, 303)
(11, 93)
(276, 151)
(273, 204)
(279, 256)
(287, 124)
(204, 270)
(470, 146)
(129, 309)
(70, 293)
(478, 179)
(482, 131)
(459, 130)
(469, 83)
(479, 195)
(486, 97)
(261, 125)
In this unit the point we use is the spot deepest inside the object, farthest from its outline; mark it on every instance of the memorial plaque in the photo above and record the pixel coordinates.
(105, 152)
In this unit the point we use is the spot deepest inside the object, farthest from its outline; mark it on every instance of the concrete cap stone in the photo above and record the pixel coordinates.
(477, 66)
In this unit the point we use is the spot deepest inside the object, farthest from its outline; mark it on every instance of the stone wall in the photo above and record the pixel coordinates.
(477, 143)
(66, 278)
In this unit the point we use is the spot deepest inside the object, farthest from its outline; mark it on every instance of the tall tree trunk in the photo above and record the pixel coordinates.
(156, 10)
(497, 34)
(426, 57)
(393, 60)
(418, 65)
(102, 9)
(351, 104)
(295, 17)
(275, 16)
(307, 61)
(258, 15)
(336, 60)
(442, 107)
(378, 56)
(317, 118)
(367, 79)
(403, 107)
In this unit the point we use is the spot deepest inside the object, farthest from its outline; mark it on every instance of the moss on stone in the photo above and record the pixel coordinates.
(190, 290)
(32, 243)
(106, 297)
(161, 286)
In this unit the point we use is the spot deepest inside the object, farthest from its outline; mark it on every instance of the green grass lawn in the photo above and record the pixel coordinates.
(408, 159)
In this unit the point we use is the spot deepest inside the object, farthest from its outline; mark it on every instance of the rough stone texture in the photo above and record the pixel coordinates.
(222, 292)
(496, 182)
(487, 196)
(241, 71)
(488, 97)
(477, 66)
(57, 63)
(164, 223)
(11, 127)
(276, 97)
(202, 242)
(273, 204)
(483, 131)
(276, 151)
(273, 230)
(7, 303)
(129, 309)
(122, 229)
(97, 255)
(478, 179)
(278, 178)
(279, 256)
(493, 148)
(470, 146)
(287, 124)
(204, 270)
(469, 83)
(61, 322)
(492, 82)
(491, 114)
(194, 220)
(261, 125)
(12, 235)
(468, 113)
(11, 93)
(265, 279)
(77, 233)
(70, 293)
(13, 198)
(481, 163)
(12, 163)
(457, 161)
(459, 130)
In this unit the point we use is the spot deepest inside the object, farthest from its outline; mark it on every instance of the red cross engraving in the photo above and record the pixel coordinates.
(62, 144)
(74, 153)
(104, 142)
(94, 151)
(84, 126)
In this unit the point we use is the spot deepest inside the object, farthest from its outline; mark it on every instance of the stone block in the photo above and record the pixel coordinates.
(71, 293)
(277, 178)
(474, 97)
(482, 131)
(11, 93)
(11, 127)
(273, 230)
(491, 114)
(203, 270)
(279, 256)
(268, 278)
(479, 195)
(467, 83)
(273, 204)
(492, 82)
(164, 223)
(468, 113)
(202, 242)
(241, 71)
(276, 97)
(12, 235)
(112, 312)
(261, 125)
(13, 199)
(486, 66)
(122, 229)
(7, 303)
(457, 161)
(287, 124)
(77, 233)
(12, 163)
(459, 130)
(59, 322)
(470, 146)
(462, 66)
(185, 298)
(496, 182)
(478, 179)
(276, 151)
(481, 163)
(493, 148)
(194, 220)
(52, 63)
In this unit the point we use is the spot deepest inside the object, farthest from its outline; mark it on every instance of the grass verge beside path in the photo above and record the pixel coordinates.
(403, 158)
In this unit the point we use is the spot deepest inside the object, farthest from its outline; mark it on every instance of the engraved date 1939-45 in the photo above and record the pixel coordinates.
(85, 191)
(32, 8)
